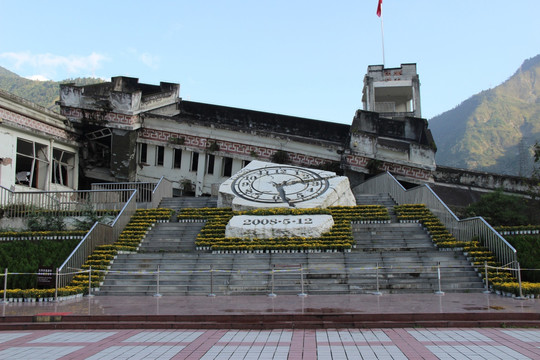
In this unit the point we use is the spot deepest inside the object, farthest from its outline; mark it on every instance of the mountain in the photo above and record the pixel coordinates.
(494, 130)
(44, 93)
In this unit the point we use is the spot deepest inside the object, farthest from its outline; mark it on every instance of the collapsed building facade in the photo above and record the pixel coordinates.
(130, 131)
(39, 148)
(123, 130)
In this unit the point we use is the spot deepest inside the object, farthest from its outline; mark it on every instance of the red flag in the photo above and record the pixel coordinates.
(379, 8)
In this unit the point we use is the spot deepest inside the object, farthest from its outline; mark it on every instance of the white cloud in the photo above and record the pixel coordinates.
(37, 77)
(50, 64)
(152, 61)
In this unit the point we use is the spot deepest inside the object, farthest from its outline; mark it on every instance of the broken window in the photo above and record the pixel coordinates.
(143, 150)
(194, 161)
(160, 154)
(227, 166)
(98, 147)
(32, 163)
(177, 158)
(210, 164)
(63, 167)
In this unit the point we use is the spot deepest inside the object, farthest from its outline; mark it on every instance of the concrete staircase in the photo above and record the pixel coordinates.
(407, 260)
(171, 237)
(177, 203)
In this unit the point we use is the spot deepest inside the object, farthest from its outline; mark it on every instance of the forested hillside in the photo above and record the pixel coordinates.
(494, 130)
(44, 93)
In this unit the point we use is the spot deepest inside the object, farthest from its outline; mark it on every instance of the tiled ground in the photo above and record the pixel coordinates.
(476, 343)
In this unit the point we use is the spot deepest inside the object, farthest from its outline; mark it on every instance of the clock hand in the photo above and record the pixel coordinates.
(281, 192)
(292, 182)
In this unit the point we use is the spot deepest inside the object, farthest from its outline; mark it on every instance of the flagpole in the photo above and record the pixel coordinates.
(382, 37)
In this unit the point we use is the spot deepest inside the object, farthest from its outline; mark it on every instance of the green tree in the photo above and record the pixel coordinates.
(499, 208)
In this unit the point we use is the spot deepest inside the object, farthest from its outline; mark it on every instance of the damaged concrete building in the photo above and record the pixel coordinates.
(40, 148)
(124, 131)
(131, 131)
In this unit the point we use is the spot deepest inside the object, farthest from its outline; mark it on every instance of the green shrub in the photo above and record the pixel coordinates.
(26, 256)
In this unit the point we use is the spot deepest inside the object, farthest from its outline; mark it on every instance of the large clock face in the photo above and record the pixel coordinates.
(279, 184)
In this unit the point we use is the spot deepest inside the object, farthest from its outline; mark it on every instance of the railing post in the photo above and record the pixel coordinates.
(5, 285)
(157, 294)
(211, 281)
(272, 292)
(377, 278)
(56, 286)
(90, 282)
(487, 291)
(439, 292)
(519, 280)
(302, 293)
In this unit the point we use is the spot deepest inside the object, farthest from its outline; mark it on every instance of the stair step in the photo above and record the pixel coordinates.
(405, 255)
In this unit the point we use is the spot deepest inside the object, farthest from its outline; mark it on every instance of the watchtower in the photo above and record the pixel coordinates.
(392, 92)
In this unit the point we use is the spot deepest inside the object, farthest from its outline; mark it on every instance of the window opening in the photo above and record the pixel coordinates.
(143, 153)
(211, 160)
(227, 166)
(177, 159)
(160, 154)
(194, 161)
(32, 163)
(63, 167)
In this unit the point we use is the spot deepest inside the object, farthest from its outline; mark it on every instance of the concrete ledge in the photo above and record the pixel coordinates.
(267, 321)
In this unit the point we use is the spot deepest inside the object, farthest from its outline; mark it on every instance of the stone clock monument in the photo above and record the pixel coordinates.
(262, 184)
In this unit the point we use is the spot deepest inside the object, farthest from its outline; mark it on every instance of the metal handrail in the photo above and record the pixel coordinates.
(147, 192)
(463, 230)
(163, 189)
(77, 202)
(285, 279)
(99, 234)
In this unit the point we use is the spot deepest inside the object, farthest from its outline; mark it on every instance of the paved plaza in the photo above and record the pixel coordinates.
(407, 343)
(140, 340)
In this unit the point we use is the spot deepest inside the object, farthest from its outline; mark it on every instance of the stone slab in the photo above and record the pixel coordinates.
(273, 226)
(269, 185)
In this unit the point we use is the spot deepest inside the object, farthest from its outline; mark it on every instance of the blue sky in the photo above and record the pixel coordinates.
(301, 58)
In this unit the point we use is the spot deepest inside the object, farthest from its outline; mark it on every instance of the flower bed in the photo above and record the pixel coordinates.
(129, 241)
(339, 238)
(500, 280)
(100, 260)
(42, 235)
(519, 230)
(419, 213)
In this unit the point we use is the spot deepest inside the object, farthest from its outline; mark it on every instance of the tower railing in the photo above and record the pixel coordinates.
(463, 230)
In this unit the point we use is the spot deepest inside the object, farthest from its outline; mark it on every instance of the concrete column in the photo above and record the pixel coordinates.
(201, 170)
(416, 97)
(50, 167)
(123, 159)
(76, 172)
(370, 91)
